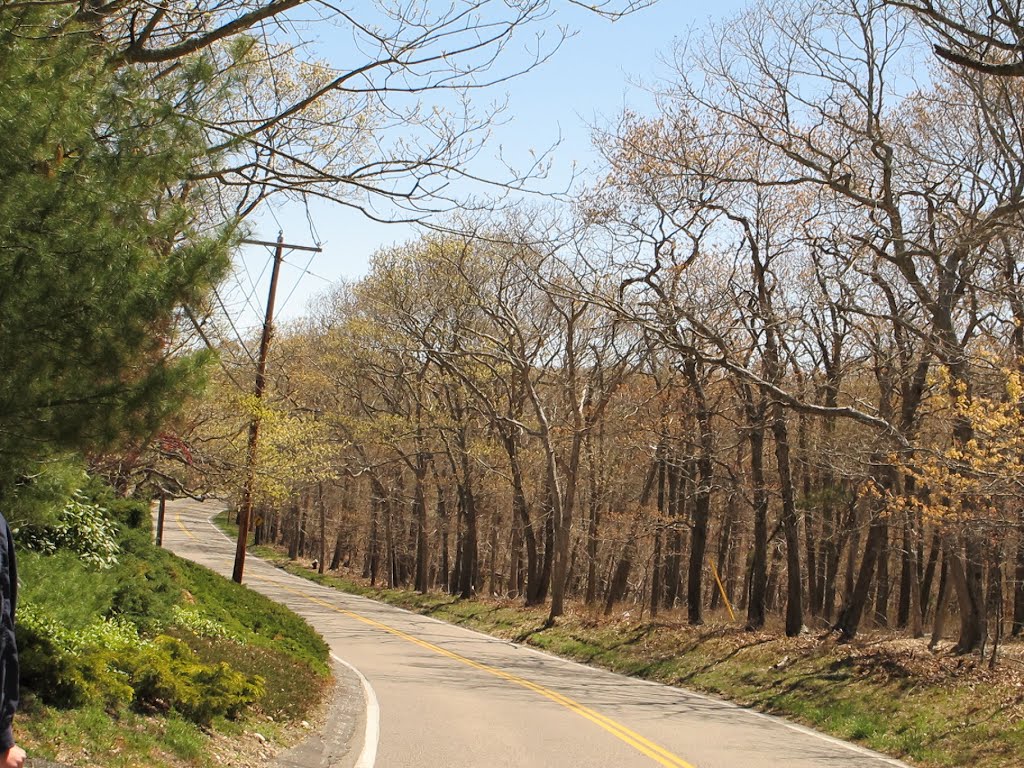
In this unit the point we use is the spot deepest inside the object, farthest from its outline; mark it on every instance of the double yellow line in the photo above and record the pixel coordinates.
(657, 753)
(645, 746)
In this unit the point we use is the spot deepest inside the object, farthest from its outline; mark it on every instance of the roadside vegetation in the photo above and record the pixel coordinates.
(131, 656)
(885, 691)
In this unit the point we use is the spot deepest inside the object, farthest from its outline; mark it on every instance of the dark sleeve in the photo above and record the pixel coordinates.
(8, 645)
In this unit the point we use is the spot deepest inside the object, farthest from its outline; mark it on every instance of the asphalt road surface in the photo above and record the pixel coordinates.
(439, 696)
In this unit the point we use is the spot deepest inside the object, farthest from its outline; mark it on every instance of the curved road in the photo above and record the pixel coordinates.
(453, 698)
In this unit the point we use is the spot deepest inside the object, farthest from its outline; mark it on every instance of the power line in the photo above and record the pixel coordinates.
(231, 322)
(245, 509)
(305, 271)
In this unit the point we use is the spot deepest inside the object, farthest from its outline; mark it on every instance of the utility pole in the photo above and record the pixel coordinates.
(160, 519)
(245, 512)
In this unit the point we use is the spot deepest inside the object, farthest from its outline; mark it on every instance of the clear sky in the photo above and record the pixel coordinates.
(590, 80)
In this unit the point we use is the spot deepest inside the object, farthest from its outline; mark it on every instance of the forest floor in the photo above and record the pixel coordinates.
(885, 691)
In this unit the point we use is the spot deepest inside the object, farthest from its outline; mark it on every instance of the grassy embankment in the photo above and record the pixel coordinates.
(885, 692)
(156, 661)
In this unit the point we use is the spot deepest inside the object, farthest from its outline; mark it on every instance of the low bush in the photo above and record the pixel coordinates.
(145, 592)
(138, 628)
(109, 664)
(64, 668)
(168, 675)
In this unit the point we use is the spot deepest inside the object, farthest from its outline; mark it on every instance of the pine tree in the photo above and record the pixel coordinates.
(98, 248)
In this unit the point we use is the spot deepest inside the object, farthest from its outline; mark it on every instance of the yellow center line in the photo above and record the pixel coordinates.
(177, 519)
(654, 751)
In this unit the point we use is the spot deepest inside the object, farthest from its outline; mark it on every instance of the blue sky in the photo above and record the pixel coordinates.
(590, 80)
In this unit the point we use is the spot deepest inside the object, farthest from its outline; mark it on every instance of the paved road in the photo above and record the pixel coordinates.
(453, 698)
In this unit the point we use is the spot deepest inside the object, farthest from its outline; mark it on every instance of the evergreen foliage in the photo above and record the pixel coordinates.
(98, 246)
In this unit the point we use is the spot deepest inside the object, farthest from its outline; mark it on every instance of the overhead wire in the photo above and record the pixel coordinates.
(249, 295)
(315, 235)
(231, 322)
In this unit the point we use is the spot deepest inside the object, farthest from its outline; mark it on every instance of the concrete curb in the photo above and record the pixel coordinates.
(335, 744)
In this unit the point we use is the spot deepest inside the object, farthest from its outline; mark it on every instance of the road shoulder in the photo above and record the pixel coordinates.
(338, 740)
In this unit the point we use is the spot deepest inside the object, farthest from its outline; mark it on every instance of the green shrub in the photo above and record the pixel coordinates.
(81, 527)
(249, 616)
(73, 669)
(291, 687)
(167, 675)
(144, 594)
(110, 665)
(198, 623)
(94, 630)
(62, 587)
(132, 514)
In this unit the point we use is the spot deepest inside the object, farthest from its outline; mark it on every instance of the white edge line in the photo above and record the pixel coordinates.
(371, 737)
(720, 702)
(368, 755)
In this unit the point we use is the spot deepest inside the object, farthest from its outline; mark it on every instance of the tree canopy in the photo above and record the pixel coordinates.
(98, 245)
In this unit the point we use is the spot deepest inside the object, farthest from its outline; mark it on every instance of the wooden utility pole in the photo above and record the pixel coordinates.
(160, 519)
(245, 511)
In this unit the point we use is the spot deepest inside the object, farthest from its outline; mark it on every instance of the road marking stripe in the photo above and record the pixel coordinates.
(710, 699)
(654, 751)
(371, 735)
(177, 519)
(646, 747)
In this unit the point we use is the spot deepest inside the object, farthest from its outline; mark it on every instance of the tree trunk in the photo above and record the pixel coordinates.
(549, 547)
(389, 544)
(756, 604)
(372, 562)
(339, 547)
(725, 553)
(419, 505)
(810, 523)
(293, 540)
(853, 527)
(941, 601)
(994, 600)
(929, 571)
(849, 619)
(593, 521)
(655, 601)
(515, 551)
(790, 525)
(916, 615)
(468, 548)
(882, 585)
(702, 498)
(620, 576)
(563, 487)
(676, 511)
(658, 565)
(1018, 587)
(460, 527)
(966, 571)
(322, 504)
(493, 579)
(906, 572)
(842, 531)
(826, 569)
(443, 526)
(521, 511)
